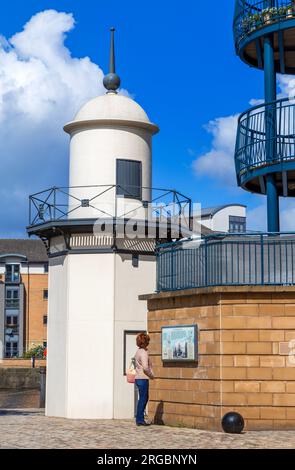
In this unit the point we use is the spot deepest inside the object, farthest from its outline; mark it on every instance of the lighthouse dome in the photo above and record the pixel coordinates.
(112, 108)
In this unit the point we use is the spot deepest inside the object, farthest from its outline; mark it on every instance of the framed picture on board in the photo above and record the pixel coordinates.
(180, 343)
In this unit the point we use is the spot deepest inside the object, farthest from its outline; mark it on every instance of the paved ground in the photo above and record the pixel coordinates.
(31, 429)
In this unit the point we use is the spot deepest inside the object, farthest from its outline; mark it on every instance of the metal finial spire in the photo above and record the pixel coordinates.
(112, 81)
(112, 52)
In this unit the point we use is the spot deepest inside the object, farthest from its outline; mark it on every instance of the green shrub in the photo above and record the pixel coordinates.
(38, 352)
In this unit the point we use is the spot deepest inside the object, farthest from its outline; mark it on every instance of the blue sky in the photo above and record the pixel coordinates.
(176, 59)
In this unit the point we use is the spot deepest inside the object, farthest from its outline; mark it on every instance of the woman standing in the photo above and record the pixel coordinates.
(143, 374)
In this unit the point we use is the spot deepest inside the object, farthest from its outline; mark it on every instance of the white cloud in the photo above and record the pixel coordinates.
(41, 88)
(218, 163)
(286, 85)
(256, 218)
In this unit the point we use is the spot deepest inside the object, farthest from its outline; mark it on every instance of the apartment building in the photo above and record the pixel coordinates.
(23, 296)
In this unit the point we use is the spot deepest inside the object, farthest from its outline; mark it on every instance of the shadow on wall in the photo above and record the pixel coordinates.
(158, 418)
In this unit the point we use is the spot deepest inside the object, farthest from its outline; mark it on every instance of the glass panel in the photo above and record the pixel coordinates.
(12, 298)
(12, 273)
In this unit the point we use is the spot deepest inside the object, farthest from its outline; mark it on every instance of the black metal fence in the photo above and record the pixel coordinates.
(227, 259)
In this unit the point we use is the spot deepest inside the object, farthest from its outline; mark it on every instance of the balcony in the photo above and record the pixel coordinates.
(12, 303)
(267, 129)
(102, 210)
(227, 260)
(255, 18)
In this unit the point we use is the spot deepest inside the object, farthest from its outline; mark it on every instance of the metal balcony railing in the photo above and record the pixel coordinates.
(62, 203)
(251, 15)
(267, 129)
(12, 278)
(227, 260)
(12, 303)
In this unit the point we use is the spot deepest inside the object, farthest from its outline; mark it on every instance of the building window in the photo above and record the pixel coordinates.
(12, 298)
(135, 261)
(129, 179)
(45, 320)
(46, 267)
(12, 273)
(237, 224)
(45, 294)
(11, 349)
(11, 320)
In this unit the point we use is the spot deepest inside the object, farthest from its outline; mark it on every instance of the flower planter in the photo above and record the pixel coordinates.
(268, 18)
(290, 13)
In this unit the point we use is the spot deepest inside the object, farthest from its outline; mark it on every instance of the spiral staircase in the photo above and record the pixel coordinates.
(264, 33)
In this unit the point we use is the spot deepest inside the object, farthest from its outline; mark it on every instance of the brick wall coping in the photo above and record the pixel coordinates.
(217, 290)
(23, 363)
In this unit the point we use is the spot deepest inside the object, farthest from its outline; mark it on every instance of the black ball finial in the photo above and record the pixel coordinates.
(112, 82)
(233, 423)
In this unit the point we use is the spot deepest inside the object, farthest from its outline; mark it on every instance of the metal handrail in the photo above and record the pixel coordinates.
(251, 15)
(227, 259)
(56, 203)
(253, 139)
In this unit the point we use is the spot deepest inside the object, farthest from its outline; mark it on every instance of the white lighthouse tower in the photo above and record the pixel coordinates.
(97, 270)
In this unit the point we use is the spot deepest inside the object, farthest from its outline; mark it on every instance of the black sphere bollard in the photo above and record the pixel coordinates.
(233, 423)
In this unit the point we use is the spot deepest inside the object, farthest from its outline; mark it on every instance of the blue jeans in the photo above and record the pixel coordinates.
(143, 389)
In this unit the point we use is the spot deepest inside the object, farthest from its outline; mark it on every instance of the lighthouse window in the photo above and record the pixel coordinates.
(129, 176)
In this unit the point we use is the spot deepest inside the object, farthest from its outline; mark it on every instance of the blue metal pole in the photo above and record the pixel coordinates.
(273, 215)
(273, 219)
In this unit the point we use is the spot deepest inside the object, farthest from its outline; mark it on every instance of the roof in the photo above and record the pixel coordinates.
(206, 231)
(202, 229)
(111, 109)
(211, 211)
(32, 250)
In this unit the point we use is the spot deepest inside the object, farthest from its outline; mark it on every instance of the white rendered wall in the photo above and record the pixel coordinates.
(57, 338)
(90, 336)
(93, 155)
(220, 221)
(130, 315)
(93, 300)
(80, 337)
(207, 222)
(33, 269)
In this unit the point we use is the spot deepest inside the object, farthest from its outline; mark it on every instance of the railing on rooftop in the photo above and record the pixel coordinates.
(262, 130)
(227, 260)
(62, 203)
(251, 15)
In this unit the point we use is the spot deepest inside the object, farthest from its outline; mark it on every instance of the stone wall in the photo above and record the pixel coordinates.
(243, 363)
(19, 379)
(19, 387)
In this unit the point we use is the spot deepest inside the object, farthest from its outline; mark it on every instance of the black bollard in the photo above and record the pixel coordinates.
(33, 359)
(233, 423)
(42, 386)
